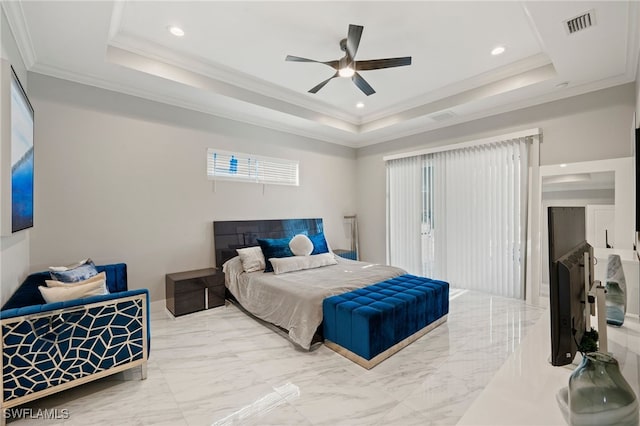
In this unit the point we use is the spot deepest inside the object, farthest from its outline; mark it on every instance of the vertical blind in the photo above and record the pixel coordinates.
(404, 213)
(460, 216)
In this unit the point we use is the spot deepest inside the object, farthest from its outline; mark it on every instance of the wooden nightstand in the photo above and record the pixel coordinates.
(194, 291)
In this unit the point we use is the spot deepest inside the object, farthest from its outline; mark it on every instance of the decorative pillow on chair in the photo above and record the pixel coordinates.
(301, 245)
(272, 247)
(71, 266)
(61, 294)
(74, 273)
(252, 259)
(101, 276)
(319, 243)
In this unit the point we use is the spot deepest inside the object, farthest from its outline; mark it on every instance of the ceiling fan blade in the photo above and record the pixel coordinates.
(321, 85)
(332, 64)
(376, 64)
(362, 84)
(353, 40)
(298, 59)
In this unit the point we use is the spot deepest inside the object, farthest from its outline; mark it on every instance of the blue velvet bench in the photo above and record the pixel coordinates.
(49, 347)
(370, 324)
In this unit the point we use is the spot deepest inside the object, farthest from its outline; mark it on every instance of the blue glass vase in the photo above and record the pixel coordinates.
(599, 395)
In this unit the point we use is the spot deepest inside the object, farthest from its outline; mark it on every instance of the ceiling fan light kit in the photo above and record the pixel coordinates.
(346, 72)
(348, 67)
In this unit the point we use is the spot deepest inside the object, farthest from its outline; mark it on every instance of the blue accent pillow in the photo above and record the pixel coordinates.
(319, 243)
(78, 273)
(272, 247)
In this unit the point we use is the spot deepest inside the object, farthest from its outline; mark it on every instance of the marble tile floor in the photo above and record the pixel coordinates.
(221, 367)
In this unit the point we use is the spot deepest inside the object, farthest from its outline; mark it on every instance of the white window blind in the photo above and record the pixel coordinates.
(226, 165)
(460, 216)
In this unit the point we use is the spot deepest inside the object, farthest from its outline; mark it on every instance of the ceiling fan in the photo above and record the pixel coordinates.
(347, 66)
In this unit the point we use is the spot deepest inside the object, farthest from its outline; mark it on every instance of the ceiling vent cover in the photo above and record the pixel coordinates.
(443, 116)
(581, 22)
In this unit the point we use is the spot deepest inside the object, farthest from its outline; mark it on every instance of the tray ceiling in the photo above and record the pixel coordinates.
(230, 62)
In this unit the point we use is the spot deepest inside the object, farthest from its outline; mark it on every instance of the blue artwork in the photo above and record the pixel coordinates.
(21, 158)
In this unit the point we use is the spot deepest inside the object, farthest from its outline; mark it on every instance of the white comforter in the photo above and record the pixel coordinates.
(293, 300)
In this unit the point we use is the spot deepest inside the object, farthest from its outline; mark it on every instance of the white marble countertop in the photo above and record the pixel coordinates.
(523, 392)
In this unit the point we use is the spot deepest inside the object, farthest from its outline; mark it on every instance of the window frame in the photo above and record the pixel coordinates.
(241, 167)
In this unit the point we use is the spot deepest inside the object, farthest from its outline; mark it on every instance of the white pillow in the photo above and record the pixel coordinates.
(252, 259)
(100, 276)
(60, 294)
(298, 263)
(301, 245)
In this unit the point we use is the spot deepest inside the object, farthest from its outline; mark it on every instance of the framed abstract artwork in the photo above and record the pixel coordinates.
(21, 157)
(17, 153)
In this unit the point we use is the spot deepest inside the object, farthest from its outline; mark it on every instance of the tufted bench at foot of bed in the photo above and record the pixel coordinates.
(370, 324)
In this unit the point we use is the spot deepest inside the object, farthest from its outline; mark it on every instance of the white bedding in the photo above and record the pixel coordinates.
(293, 300)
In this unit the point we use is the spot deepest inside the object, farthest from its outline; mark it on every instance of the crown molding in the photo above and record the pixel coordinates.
(18, 24)
(183, 76)
(633, 43)
(220, 112)
(502, 109)
(161, 54)
(356, 141)
(492, 76)
(116, 18)
(495, 88)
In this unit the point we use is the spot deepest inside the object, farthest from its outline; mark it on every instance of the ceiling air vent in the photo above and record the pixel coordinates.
(443, 116)
(581, 22)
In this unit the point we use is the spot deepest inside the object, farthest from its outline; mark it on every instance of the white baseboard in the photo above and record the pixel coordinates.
(633, 317)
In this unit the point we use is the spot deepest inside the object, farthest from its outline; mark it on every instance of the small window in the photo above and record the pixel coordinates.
(225, 165)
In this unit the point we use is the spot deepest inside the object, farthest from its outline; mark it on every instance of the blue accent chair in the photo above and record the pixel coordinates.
(50, 347)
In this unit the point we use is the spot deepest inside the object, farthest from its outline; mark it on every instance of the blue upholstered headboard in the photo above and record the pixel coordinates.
(231, 235)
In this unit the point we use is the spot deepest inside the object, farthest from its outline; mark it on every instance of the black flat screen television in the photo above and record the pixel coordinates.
(567, 295)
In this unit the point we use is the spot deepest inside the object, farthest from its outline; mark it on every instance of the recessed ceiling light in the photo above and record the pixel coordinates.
(360, 105)
(176, 31)
(498, 50)
(563, 165)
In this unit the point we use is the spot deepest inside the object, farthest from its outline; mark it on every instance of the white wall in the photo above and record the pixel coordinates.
(14, 250)
(122, 179)
(583, 128)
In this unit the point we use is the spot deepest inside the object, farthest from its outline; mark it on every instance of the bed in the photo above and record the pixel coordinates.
(293, 301)
(295, 297)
